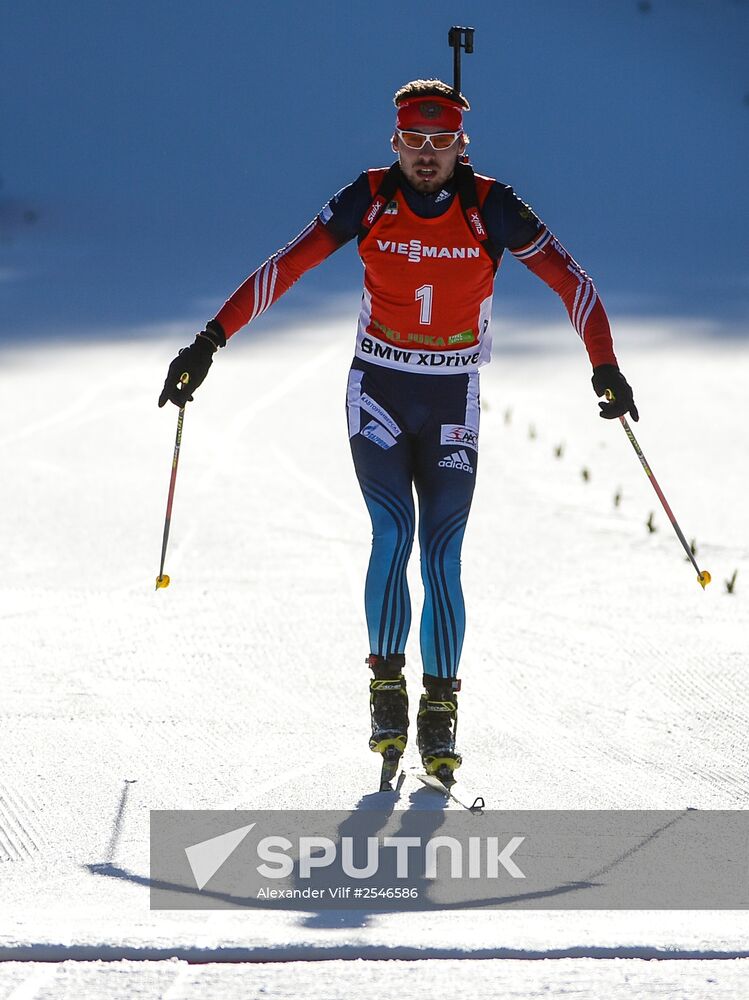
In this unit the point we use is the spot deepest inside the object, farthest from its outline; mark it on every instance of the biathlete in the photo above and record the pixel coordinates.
(431, 234)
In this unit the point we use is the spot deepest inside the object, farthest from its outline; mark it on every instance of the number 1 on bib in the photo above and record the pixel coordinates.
(424, 295)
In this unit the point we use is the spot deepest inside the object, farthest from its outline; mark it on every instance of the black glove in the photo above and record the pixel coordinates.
(193, 361)
(609, 378)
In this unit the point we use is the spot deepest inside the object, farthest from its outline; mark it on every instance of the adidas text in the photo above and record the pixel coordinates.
(458, 460)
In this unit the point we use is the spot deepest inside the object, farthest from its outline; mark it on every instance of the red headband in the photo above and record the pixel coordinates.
(418, 112)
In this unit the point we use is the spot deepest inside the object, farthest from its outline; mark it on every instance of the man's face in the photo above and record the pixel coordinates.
(428, 169)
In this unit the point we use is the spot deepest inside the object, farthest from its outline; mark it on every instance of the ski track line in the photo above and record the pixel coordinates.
(313, 484)
(241, 420)
(28, 803)
(61, 417)
(689, 778)
(29, 988)
(269, 786)
(18, 841)
(175, 988)
(353, 576)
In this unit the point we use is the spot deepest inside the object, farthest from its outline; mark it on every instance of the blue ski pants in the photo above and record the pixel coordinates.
(411, 431)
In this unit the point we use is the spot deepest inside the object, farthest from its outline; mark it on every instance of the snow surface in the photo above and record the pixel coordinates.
(596, 672)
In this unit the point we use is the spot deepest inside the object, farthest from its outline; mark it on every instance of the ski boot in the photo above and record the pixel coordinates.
(388, 704)
(437, 725)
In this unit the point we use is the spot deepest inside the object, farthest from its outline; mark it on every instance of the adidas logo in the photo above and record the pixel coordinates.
(458, 460)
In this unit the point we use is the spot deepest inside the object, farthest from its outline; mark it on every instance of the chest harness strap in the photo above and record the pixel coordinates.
(466, 189)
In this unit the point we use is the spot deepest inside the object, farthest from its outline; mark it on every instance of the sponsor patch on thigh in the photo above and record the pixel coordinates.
(376, 433)
(374, 409)
(459, 434)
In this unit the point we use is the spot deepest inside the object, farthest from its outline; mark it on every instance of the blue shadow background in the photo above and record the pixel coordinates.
(154, 153)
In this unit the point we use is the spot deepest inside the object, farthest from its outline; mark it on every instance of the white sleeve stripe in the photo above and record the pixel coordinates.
(260, 278)
(583, 302)
(261, 285)
(265, 276)
(264, 300)
(272, 285)
(578, 293)
(593, 300)
(585, 299)
(259, 291)
(256, 293)
(269, 285)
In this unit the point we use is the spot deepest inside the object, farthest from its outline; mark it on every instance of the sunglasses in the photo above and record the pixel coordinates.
(438, 140)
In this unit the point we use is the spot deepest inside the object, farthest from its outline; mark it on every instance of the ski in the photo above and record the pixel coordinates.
(390, 763)
(446, 788)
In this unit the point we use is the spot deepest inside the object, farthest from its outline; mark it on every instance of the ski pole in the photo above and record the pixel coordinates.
(703, 577)
(459, 38)
(162, 580)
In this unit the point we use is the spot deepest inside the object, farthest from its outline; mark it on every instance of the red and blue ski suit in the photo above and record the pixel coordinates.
(413, 397)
